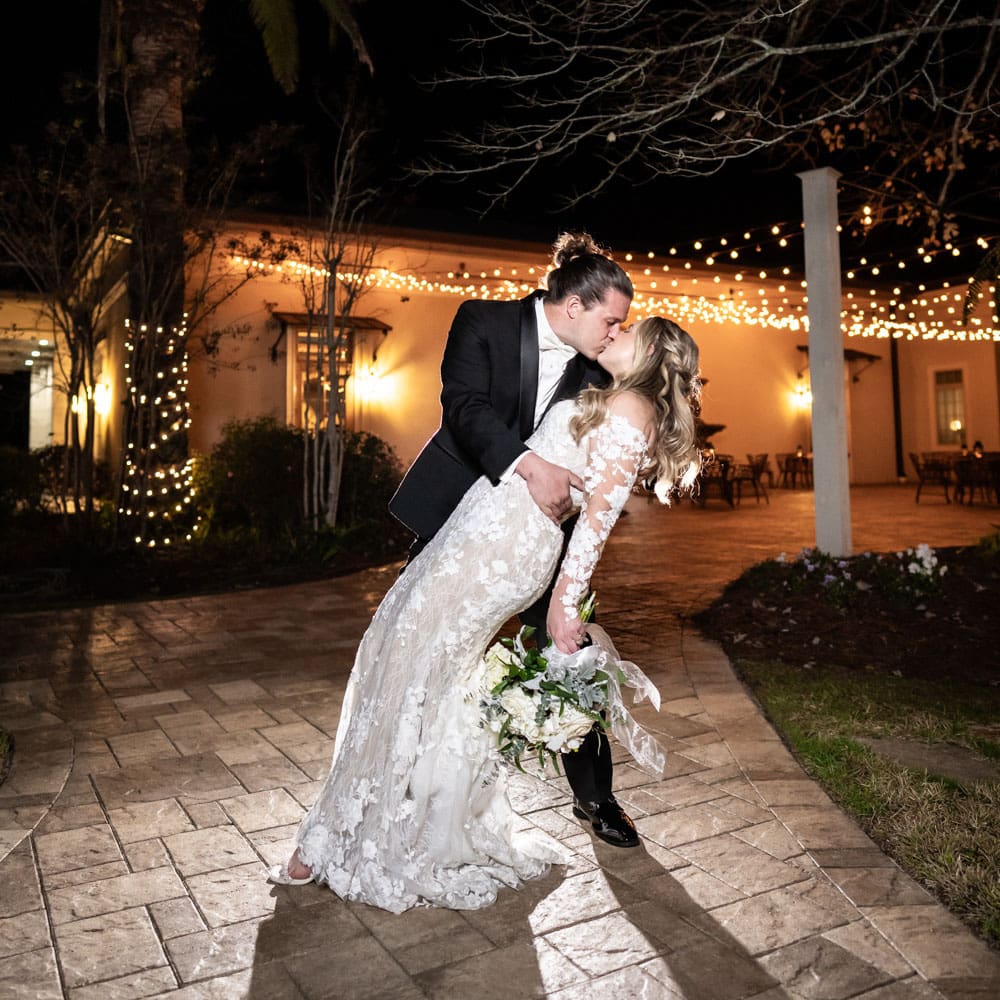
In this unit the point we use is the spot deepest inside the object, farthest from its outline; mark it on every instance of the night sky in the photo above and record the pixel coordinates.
(408, 43)
(408, 47)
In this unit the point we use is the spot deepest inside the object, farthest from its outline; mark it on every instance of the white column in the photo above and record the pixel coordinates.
(40, 411)
(826, 362)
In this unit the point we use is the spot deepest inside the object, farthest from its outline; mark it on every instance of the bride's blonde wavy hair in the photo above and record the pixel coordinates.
(665, 372)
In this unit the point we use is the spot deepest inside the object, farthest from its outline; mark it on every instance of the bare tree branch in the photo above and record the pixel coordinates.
(338, 253)
(647, 89)
(57, 227)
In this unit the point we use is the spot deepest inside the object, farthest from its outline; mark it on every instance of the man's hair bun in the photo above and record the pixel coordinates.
(582, 267)
(569, 246)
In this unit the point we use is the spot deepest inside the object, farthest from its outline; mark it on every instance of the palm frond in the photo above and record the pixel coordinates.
(275, 19)
(339, 13)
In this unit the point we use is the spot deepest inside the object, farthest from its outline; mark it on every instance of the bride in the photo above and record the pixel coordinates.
(415, 810)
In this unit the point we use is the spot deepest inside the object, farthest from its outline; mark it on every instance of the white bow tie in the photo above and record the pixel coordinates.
(548, 341)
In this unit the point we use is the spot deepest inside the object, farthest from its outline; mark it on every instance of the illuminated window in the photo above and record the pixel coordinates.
(949, 406)
(318, 370)
(321, 362)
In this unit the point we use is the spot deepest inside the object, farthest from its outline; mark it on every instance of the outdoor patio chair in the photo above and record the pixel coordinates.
(715, 477)
(758, 469)
(751, 473)
(739, 473)
(931, 471)
(973, 474)
(781, 460)
(795, 470)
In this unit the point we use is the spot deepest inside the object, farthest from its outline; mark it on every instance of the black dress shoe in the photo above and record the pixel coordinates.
(610, 822)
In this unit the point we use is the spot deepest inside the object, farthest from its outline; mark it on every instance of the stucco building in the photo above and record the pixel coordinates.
(915, 380)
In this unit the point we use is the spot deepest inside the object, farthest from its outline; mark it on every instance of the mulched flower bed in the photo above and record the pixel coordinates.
(949, 632)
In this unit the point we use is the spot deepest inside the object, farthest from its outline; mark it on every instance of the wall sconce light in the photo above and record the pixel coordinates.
(368, 378)
(802, 396)
(367, 381)
(100, 394)
(102, 398)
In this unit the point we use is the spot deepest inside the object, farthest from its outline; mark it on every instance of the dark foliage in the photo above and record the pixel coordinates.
(944, 629)
(252, 481)
(21, 483)
(252, 532)
(370, 477)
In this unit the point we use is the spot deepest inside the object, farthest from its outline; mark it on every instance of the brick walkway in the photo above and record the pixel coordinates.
(168, 749)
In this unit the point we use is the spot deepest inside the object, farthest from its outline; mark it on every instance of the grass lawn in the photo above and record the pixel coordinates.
(882, 674)
(943, 832)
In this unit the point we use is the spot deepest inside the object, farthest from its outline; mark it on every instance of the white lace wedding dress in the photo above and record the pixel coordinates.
(415, 808)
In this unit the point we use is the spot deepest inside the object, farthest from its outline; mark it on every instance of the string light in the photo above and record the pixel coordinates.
(874, 320)
(885, 314)
(160, 490)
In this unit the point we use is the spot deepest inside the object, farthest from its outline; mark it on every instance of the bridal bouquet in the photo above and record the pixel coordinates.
(545, 702)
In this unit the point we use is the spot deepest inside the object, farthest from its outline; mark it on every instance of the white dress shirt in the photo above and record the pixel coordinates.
(553, 356)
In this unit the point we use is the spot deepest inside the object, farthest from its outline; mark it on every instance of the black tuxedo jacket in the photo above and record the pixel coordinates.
(490, 383)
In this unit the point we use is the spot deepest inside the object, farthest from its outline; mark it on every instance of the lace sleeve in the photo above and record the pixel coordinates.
(615, 452)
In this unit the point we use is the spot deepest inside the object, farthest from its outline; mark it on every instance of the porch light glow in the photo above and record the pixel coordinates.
(102, 398)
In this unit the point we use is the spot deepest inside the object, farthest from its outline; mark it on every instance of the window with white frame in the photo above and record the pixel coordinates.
(949, 406)
(321, 362)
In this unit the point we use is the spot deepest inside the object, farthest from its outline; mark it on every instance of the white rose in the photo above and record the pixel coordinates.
(521, 708)
(497, 660)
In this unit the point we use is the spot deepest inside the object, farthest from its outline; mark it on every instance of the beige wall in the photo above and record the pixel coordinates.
(751, 389)
(870, 431)
(405, 407)
(918, 360)
(243, 381)
(752, 372)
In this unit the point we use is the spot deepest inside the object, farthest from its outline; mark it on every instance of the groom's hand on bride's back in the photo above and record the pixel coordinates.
(549, 485)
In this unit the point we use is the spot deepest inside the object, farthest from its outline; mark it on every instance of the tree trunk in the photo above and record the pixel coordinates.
(160, 41)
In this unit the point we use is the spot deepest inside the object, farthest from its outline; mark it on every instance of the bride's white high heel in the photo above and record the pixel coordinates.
(278, 874)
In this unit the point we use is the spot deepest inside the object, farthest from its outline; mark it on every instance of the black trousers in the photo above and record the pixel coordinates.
(589, 769)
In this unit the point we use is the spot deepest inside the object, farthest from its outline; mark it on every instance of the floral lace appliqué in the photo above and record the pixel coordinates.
(415, 809)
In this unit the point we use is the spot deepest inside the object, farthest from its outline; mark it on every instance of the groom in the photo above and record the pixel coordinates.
(505, 364)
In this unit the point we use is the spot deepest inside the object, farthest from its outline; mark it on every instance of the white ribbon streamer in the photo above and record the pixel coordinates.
(648, 754)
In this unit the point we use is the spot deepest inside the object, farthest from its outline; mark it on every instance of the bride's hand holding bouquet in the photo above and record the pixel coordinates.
(545, 702)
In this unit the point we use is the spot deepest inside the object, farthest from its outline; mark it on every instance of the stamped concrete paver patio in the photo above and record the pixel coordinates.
(166, 751)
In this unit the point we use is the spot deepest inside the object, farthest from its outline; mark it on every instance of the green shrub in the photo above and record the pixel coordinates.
(252, 481)
(370, 476)
(989, 547)
(52, 464)
(250, 495)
